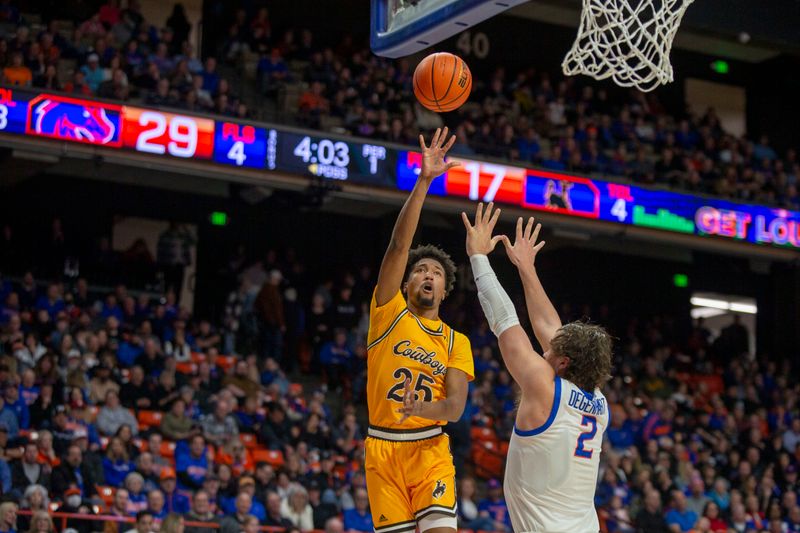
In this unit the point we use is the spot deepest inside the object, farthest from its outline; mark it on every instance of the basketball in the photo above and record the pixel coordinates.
(442, 82)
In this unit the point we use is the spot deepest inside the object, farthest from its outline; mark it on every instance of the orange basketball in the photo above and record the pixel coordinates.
(442, 82)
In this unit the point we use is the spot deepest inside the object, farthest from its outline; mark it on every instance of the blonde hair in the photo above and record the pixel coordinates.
(170, 523)
(39, 515)
(5, 506)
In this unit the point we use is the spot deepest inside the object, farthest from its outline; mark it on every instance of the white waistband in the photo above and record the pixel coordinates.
(404, 435)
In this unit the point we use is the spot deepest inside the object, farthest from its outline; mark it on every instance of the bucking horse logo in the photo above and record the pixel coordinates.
(440, 489)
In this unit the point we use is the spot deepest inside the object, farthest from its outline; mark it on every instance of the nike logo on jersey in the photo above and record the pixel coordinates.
(403, 349)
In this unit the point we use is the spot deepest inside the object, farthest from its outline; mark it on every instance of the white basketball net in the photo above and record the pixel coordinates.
(626, 40)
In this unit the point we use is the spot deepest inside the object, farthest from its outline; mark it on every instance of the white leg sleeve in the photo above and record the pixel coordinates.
(496, 304)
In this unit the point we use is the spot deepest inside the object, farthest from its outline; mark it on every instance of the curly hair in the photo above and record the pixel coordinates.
(429, 251)
(589, 350)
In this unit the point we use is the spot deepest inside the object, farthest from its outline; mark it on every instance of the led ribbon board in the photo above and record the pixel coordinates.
(314, 154)
(576, 196)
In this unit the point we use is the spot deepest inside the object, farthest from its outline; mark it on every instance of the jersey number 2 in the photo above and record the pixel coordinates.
(396, 392)
(580, 451)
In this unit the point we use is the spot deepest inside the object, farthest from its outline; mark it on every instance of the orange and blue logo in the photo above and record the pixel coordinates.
(74, 120)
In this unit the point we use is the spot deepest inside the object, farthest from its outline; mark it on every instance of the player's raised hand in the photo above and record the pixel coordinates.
(523, 252)
(479, 235)
(433, 163)
(411, 406)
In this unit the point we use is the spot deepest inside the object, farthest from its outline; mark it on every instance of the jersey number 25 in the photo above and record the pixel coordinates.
(396, 392)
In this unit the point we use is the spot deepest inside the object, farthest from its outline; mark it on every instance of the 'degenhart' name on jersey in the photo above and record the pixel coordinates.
(421, 355)
(580, 401)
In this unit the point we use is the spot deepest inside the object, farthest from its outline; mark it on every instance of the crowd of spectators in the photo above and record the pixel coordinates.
(526, 117)
(126, 404)
(116, 54)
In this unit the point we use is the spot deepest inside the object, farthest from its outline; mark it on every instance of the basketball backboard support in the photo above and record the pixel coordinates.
(403, 27)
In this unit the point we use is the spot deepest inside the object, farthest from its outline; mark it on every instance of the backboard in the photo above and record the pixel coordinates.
(403, 27)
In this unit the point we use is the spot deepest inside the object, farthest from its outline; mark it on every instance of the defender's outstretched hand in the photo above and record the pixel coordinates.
(523, 252)
(479, 235)
(433, 163)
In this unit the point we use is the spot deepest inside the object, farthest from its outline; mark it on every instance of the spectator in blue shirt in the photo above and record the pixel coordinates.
(528, 145)
(112, 308)
(620, 433)
(8, 420)
(52, 302)
(92, 72)
(193, 465)
(359, 518)
(155, 504)
(680, 515)
(116, 464)
(210, 76)
(247, 486)
(27, 291)
(495, 506)
(554, 160)
(28, 389)
(335, 357)
(17, 405)
(10, 308)
(5, 477)
(720, 495)
(174, 502)
(272, 70)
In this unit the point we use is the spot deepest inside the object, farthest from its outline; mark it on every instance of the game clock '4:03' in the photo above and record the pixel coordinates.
(332, 159)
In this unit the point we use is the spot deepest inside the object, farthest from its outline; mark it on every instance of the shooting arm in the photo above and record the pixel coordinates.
(394, 261)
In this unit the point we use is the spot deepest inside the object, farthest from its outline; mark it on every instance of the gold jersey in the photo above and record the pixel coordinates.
(400, 346)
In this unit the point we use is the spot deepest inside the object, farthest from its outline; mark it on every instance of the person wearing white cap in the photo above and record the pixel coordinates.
(92, 72)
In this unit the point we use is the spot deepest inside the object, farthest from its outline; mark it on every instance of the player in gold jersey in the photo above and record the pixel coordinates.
(418, 368)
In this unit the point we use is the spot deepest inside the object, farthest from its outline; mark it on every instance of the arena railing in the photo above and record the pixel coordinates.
(64, 517)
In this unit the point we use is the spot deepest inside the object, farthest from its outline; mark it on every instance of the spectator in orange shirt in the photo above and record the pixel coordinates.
(312, 104)
(235, 455)
(18, 73)
(313, 100)
(46, 453)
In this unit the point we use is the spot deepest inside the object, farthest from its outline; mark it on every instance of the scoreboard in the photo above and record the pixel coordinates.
(314, 154)
(577, 196)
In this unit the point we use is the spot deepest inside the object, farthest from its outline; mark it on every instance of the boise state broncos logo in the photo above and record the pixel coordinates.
(439, 490)
(74, 120)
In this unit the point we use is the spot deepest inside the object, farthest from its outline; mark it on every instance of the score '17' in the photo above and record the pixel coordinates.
(498, 173)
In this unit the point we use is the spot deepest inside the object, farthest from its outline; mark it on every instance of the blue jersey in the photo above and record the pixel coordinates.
(353, 520)
(196, 468)
(116, 471)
